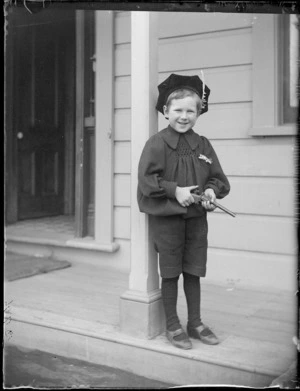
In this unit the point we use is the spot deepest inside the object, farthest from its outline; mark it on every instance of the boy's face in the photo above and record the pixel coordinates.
(182, 113)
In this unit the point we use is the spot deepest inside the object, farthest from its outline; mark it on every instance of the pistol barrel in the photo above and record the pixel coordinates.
(202, 197)
(223, 208)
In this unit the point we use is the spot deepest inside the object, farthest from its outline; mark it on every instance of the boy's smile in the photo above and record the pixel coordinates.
(182, 113)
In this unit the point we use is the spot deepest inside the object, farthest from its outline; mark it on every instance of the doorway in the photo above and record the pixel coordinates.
(41, 113)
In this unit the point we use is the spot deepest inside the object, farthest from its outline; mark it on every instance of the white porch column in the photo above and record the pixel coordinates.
(141, 312)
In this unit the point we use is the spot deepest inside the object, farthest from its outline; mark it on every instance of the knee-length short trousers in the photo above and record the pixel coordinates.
(181, 244)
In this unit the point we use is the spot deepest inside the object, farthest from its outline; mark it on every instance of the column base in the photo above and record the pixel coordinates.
(142, 314)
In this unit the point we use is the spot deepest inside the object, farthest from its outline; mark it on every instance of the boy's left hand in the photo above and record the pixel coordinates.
(212, 196)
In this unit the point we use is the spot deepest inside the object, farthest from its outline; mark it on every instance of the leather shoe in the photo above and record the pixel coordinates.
(184, 343)
(203, 333)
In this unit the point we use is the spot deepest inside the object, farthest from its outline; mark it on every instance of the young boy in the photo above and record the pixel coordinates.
(175, 162)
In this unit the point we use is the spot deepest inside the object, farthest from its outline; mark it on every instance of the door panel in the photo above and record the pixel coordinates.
(40, 128)
(40, 153)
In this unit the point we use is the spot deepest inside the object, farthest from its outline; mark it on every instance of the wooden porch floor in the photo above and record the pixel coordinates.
(263, 320)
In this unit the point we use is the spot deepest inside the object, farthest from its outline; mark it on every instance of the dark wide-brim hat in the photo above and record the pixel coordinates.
(176, 82)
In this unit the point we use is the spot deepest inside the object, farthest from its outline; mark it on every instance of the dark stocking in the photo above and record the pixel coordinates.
(169, 292)
(191, 286)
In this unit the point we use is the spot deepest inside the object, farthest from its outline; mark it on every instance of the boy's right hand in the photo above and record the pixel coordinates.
(184, 196)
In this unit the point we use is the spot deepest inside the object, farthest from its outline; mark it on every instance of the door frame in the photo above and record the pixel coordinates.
(80, 173)
(100, 214)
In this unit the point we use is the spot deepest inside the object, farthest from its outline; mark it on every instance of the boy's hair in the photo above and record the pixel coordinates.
(183, 93)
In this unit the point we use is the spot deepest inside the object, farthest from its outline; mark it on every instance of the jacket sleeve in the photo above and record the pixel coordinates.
(151, 171)
(217, 179)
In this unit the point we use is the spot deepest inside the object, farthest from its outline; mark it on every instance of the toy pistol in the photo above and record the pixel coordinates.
(202, 197)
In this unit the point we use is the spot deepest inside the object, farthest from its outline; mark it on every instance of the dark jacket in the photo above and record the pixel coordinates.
(170, 159)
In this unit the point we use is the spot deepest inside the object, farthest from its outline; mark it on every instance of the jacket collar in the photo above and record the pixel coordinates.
(171, 137)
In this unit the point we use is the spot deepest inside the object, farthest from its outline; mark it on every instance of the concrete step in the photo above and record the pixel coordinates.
(234, 362)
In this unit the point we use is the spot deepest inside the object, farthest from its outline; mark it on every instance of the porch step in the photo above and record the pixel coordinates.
(234, 362)
(52, 236)
(86, 243)
(84, 250)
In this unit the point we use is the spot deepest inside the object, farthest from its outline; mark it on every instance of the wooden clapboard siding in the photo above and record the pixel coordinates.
(122, 157)
(263, 196)
(122, 222)
(122, 125)
(122, 59)
(122, 27)
(264, 234)
(122, 132)
(173, 24)
(122, 92)
(218, 49)
(257, 141)
(218, 121)
(252, 268)
(259, 159)
(122, 190)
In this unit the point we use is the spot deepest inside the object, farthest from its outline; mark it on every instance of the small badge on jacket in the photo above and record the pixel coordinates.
(206, 159)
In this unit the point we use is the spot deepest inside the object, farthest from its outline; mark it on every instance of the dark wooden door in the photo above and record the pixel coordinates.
(39, 117)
